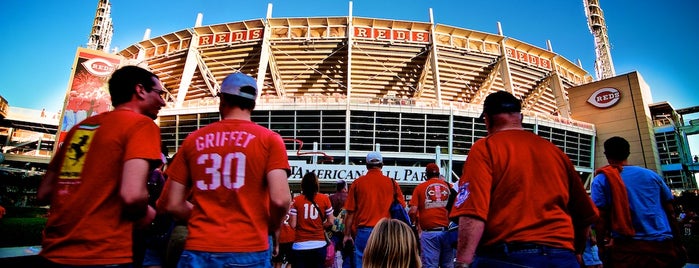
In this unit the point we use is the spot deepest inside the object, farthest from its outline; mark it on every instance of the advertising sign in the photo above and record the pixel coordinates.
(87, 94)
(349, 173)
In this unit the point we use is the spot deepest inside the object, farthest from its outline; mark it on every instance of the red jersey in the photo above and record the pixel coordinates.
(85, 226)
(524, 188)
(431, 199)
(370, 196)
(287, 234)
(309, 222)
(226, 164)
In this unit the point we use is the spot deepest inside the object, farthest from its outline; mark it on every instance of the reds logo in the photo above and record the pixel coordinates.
(604, 97)
(462, 194)
(99, 66)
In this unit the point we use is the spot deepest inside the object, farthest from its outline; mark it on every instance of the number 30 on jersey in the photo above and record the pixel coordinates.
(228, 170)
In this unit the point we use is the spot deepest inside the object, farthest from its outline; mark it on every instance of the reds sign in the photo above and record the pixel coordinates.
(604, 97)
(99, 66)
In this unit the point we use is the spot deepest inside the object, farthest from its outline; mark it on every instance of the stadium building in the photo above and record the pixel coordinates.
(336, 88)
(344, 86)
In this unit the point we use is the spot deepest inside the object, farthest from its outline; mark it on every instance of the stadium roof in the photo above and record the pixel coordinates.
(357, 60)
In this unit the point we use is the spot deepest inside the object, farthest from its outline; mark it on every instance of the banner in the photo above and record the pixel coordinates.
(332, 173)
(88, 93)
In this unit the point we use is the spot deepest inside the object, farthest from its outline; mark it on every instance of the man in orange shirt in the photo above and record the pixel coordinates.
(520, 200)
(96, 181)
(428, 208)
(236, 173)
(368, 201)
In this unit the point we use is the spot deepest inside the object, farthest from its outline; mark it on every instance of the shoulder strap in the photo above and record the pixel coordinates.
(322, 215)
(395, 193)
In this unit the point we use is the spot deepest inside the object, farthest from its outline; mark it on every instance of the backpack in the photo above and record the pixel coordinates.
(339, 224)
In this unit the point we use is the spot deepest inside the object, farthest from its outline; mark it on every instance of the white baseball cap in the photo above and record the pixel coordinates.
(374, 158)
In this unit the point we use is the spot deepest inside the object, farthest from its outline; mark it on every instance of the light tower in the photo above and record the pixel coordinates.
(604, 67)
(102, 29)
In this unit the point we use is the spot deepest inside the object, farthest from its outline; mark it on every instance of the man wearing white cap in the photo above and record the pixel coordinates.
(368, 201)
(236, 172)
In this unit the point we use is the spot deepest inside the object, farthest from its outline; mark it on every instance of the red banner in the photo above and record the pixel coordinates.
(88, 92)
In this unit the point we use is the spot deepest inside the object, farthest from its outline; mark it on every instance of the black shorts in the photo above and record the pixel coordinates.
(285, 254)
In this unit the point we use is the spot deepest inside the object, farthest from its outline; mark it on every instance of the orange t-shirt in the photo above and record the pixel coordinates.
(370, 197)
(431, 199)
(524, 188)
(85, 226)
(226, 164)
(287, 234)
(309, 222)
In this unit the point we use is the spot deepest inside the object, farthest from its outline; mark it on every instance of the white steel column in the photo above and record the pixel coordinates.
(350, 34)
(264, 53)
(435, 63)
(142, 52)
(190, 65)
(505, 69)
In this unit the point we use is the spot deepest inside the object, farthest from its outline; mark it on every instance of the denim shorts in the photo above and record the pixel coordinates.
(190, 258)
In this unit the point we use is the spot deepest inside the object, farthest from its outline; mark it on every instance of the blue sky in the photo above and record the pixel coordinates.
(655, 38)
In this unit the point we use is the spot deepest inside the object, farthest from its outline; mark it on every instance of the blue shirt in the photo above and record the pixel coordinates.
(647, 192)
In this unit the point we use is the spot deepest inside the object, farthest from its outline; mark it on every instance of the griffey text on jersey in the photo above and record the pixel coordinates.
(224, 138)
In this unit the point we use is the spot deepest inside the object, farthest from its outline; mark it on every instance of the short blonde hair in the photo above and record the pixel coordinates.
(393, 244)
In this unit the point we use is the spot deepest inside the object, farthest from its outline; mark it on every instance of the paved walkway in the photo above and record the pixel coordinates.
(19, 251)
(16, 252)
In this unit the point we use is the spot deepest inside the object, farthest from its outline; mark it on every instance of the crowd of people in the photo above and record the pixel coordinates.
(224, 199)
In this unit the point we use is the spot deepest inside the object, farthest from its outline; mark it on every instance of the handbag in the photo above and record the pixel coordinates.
(397, 210)
(330, 250)
(327, 234)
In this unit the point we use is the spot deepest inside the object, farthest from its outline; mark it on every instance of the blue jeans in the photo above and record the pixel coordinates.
(539, 258)
(190, 258)
(360, 243)
(436, 249)
(347, 255)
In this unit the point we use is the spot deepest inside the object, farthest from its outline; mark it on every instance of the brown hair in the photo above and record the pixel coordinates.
(309, 185)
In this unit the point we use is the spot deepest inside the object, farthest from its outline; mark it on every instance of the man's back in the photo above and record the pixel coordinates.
(370, 197)
(431, 197)
(86, 225)
(530, 180)
(519, 194)
(646, 193)
(226, 163)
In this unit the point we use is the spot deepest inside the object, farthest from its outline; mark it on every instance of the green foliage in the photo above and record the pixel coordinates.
(26, 212)
(17, 232)
(18, 189)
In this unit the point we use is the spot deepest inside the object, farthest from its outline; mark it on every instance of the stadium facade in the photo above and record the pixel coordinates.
(338, 87)
(344, 86)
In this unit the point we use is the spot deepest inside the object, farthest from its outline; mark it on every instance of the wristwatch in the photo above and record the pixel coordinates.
(458, 264)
